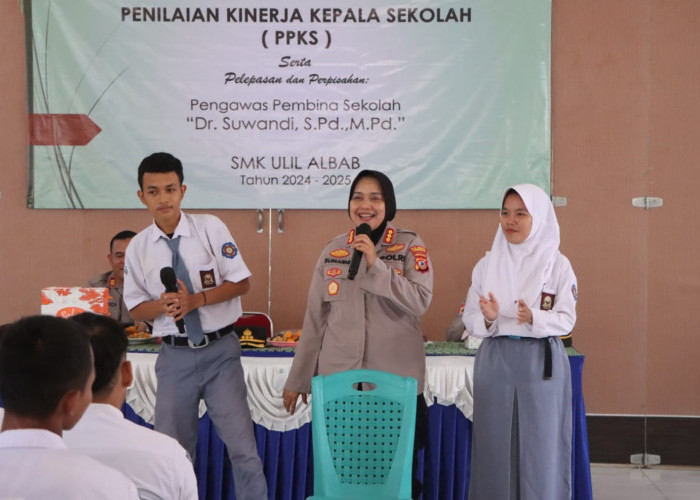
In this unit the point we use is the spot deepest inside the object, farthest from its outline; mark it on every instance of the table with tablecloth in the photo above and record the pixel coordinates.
(284, 441)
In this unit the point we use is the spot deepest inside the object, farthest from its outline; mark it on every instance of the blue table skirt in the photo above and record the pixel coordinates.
(287, 456)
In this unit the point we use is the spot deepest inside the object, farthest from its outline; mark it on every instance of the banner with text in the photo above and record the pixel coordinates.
(280, 104)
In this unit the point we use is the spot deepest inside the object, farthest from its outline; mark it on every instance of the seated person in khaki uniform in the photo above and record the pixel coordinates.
(114, 278)
(456, 332)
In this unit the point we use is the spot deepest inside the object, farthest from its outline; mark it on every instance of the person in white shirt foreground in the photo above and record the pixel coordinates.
(156, 463)
(46, 374)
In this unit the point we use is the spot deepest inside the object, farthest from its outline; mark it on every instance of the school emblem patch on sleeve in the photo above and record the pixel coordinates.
(229, 250)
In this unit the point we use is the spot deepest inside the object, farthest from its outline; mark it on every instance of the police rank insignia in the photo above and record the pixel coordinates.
(333, 272)
(351, 236)
(112, 282)
(333, 287)
(547, 301)
(229, 250)
(207, 278)
(395, 248)
(339, 252)
(388, 235)
(420, 255)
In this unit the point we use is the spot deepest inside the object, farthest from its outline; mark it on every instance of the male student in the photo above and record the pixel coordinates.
(156, 463)
(200, 353)
(46, 373)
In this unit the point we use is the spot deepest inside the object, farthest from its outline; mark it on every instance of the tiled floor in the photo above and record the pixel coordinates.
(626, 482)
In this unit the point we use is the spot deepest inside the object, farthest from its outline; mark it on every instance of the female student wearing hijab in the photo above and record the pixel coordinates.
(522, 298)
(372, 320)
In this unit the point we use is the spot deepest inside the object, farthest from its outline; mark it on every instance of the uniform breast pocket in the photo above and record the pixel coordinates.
(206, 272)
(394, 261)
(547, 301)
(208, 277)
(335, 283)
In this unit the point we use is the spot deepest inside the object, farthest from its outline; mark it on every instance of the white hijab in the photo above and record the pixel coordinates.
(519, 271)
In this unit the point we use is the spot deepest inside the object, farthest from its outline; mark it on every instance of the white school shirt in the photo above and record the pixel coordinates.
(211, 257)
(156, 463)
(36, 465)
(557, 321)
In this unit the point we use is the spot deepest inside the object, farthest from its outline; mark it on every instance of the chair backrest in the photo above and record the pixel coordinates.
(363, 439)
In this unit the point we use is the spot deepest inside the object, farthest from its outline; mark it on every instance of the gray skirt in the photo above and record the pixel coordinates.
(521, 437)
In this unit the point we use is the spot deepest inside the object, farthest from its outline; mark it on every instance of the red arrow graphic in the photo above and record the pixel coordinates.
(61, 129)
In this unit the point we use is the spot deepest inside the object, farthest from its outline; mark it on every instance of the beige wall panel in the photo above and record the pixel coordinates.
(600, 129)
(294, 255)
(674, 151)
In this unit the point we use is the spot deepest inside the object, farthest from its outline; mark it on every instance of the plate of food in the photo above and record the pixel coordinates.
(278, 343)
(287, 338)
(137, 337)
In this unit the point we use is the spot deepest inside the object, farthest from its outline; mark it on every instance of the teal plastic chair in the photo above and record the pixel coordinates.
(363, 439)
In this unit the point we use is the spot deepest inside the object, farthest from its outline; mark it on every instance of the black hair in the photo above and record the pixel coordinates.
(121, 235)
(160, 163)
(507, 194)
(42, 358)
(109, 343)
(387, 193)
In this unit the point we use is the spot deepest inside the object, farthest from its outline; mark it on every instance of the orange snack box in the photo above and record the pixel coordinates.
(64, 301)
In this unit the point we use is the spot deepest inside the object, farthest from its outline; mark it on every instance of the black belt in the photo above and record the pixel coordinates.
(547, 353)
(208, 337)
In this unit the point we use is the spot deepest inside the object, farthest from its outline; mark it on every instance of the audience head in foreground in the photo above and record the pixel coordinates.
(156, 463)
(46, 376)
(46, 373)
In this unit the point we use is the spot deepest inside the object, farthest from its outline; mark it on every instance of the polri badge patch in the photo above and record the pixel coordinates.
(388, 235)
(333, 272)
(420, 255)
(112, 282)
(229, 250)
(395, 248)
(333, 287)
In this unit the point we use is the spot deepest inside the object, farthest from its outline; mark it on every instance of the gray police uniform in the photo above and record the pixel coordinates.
(117, 309)
(370, 322)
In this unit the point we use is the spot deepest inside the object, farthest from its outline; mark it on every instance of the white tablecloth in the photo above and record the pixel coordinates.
(448, 379)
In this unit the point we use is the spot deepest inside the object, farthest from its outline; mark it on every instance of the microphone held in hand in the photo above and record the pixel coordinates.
(357, 255)
(167, 277)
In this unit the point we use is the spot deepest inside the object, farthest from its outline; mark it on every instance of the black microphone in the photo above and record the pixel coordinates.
(357, 255)
(167, 277)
